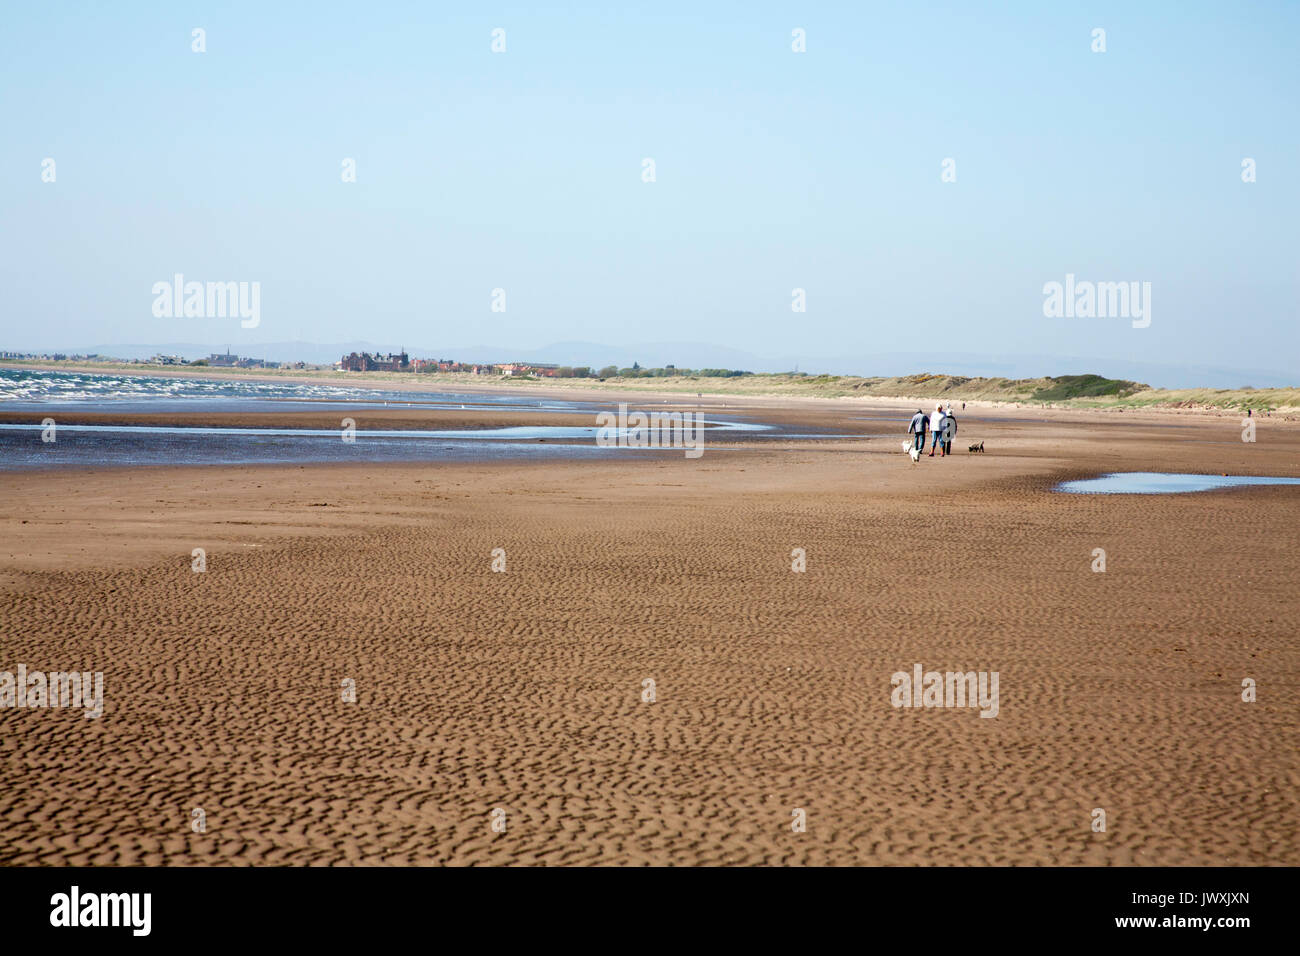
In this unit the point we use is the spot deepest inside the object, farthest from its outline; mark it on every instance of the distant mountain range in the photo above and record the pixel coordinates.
(701, 355)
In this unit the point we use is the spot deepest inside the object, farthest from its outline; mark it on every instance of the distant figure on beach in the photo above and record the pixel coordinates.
(917, 429)
(963, 406)
(936, 430)
(949, 430)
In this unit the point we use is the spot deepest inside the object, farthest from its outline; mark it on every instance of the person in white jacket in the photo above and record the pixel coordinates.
(936, 430)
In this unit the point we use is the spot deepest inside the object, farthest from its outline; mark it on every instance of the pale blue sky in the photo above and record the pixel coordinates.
(775, 170)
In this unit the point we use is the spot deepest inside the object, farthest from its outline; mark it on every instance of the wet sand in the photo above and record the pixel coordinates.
(363, 416)
(366, 416)
(522, 690)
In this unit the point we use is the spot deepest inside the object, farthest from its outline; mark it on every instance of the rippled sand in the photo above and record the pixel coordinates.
(523, 690)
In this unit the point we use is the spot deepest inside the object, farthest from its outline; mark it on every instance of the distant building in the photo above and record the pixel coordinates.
(223, 359)
(365, 362)
(525, 368)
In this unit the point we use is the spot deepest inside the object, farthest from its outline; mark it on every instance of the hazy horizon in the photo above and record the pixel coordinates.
(700, 355)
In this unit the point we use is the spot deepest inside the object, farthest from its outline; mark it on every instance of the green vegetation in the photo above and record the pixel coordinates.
(1068, 387)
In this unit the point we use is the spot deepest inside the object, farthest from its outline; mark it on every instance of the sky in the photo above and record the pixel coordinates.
(774, 170)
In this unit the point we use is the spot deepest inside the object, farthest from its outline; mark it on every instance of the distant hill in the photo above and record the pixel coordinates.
(1067, 387)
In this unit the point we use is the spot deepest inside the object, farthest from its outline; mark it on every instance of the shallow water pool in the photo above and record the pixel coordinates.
(1163, 483)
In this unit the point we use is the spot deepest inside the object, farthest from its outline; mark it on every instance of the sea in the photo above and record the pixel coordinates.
(63, 396)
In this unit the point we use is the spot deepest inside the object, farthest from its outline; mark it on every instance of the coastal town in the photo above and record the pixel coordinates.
(400, 361)
(352, 362)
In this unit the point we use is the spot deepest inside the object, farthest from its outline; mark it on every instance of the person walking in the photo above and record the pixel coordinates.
(936, 430)
(917, 429)
(949, 430)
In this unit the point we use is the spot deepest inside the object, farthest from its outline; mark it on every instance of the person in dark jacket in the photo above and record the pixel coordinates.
(917, 429)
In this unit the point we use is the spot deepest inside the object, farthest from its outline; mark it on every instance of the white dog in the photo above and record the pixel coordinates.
(911, 449)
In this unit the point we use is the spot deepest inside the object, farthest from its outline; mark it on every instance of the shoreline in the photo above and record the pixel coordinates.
(1049, 444)
(416, 383)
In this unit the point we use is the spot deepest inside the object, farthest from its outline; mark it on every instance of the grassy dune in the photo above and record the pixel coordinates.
(1066, 391)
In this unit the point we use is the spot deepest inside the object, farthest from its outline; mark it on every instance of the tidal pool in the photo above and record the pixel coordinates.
(1163, 483)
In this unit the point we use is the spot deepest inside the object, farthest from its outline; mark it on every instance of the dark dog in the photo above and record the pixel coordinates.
(979, 448)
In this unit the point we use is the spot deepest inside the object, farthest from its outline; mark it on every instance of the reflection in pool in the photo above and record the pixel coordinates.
(1163, 483)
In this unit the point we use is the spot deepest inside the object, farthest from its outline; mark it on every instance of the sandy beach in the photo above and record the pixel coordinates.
(523, 691)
